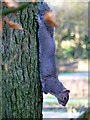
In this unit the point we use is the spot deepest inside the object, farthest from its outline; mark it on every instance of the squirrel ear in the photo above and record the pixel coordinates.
(68, 91)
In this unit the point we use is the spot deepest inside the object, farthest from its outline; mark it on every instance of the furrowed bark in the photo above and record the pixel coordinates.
(21, 87)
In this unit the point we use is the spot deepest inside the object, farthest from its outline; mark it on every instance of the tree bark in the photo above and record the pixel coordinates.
(21, 87)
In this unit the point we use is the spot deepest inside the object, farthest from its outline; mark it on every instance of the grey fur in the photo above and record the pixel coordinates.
(48, 76)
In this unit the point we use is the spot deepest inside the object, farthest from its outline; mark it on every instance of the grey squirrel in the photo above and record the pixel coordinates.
(48, 76)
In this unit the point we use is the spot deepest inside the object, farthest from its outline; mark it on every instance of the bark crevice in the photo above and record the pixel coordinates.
(21, 87)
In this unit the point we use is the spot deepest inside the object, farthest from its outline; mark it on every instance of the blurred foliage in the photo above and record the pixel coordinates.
(72, 34)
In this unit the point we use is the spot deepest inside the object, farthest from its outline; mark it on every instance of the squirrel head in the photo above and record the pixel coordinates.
(63, 97)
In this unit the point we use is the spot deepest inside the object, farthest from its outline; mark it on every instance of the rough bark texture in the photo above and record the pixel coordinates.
(21, 88)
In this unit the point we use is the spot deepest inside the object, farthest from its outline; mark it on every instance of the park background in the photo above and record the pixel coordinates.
(71, 38)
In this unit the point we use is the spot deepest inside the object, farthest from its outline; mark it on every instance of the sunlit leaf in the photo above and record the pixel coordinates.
(6, 67)
(50, 18)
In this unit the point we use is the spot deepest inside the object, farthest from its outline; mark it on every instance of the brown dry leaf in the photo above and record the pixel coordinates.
(12, 24)
(11, 3)
(50, 18)
(1, 24)
(33, 1)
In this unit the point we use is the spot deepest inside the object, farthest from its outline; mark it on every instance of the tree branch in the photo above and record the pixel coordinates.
(10, 10)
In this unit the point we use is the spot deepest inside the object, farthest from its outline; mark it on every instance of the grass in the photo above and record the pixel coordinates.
(69, 103)
(51, 103)
(77, 102)
(55, 110)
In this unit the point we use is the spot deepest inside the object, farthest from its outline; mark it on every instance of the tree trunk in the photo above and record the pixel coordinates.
(21, 87)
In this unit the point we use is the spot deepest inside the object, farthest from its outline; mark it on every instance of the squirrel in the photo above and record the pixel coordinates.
(48, 75)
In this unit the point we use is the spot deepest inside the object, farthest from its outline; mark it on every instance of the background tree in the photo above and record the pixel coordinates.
(21, 88)
(72, 34)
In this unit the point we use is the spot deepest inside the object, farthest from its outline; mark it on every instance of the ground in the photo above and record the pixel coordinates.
(78, 84)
